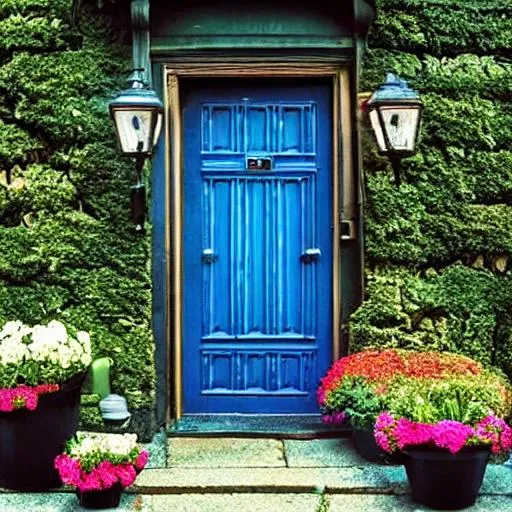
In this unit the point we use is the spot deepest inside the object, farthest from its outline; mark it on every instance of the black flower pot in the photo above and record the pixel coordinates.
(30, 440)
(445, 481)
(368, 448)
(106, 498)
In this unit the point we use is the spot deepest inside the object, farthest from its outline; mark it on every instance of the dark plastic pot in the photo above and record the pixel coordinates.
(445, 481)
(368, 448)
(30, 440)
(106, 498)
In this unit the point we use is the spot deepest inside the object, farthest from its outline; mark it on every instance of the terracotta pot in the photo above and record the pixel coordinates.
(446, 481)
(30, 440)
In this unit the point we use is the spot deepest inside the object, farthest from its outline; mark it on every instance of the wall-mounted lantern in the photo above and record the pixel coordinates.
(137, 113)
(395, 114)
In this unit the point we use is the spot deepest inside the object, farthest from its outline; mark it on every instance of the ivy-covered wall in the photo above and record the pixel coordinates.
(438, 247)
(68, 248)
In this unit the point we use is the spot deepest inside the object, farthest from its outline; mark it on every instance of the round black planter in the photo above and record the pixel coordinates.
(107, 498)
(368, 448)
(30, 440)
(445, 481)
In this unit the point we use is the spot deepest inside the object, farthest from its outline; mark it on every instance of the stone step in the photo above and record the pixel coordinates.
(344, 480)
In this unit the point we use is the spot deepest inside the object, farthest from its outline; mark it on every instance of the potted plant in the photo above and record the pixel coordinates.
(357, 388)
(447, 429)
(100, 466)
(41, 372)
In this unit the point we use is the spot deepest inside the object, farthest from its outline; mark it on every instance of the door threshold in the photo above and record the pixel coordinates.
(307, 426)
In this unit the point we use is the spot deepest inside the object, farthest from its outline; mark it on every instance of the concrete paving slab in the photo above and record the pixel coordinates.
(242, 502)
(272, 480)
(322, 453)
(379, 503)
(188, 452)
(497, 480)
(157, 450)
(66, 502)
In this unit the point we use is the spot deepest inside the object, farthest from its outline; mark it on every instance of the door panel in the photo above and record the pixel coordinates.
(257, 237)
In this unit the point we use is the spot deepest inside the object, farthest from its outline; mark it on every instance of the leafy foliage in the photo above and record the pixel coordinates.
(438, 246)
(69, 249)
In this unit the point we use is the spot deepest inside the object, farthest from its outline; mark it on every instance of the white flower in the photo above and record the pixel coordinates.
(83, 337)
(11, 328)
(86, 359)
(58, 331)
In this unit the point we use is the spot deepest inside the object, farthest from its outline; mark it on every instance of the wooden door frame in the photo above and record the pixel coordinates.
(343, 192)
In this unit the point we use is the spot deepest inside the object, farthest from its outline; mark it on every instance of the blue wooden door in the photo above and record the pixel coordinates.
(257, 245)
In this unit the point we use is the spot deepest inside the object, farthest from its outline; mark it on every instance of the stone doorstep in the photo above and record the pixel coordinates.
(384, 480)
(373, 479)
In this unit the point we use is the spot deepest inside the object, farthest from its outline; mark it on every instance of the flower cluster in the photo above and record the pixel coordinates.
(335, 418)
(378, 367)
(24, 396)
(393, 434)
(41, 354)
(93, 462)
(425, 387)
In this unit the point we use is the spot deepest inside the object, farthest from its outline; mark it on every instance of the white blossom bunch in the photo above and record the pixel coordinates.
(88, 443)
(41, 354)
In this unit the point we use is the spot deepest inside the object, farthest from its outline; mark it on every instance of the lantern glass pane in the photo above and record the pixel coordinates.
(378, 130)
(134, 129)
(401, 125)
(158, 127)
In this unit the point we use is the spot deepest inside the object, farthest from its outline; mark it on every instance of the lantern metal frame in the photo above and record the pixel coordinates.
(139, 97)
(394, 93)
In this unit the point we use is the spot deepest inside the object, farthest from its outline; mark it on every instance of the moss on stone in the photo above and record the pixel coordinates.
(438, 246)
(69, 248)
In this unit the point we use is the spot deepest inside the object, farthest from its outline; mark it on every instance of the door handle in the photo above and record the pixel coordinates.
(312, 254)
(209, 256)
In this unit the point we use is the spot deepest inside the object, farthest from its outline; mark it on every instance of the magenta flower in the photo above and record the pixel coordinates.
(126, 474)
(23, 396)
(497, 432)
(106, 472)
(142, 459)
(410, 433)
(69, 469)
(90, 481)
(452, 435)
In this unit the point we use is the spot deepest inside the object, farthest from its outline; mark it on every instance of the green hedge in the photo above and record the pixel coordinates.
(438, 246)
(69, 248)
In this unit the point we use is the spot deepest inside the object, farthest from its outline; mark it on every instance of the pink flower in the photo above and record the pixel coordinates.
(384, 432)
(497, 432)
(384, 420)
(126, 474)
(382, 440)
(106, 472)
(452, 435)
(69, 469)
(90, 482)
(23, 396)
(142, 459)
(410, 433)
